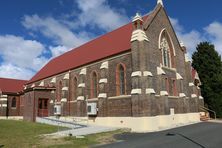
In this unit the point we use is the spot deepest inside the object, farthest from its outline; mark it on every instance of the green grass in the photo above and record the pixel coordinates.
(21, 134)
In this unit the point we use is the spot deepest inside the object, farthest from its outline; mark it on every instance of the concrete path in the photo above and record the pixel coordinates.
(82, 131)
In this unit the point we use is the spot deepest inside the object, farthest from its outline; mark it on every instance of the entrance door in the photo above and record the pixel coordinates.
(43, 107)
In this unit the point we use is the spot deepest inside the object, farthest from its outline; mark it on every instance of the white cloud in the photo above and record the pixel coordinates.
(59, 33)
(65, 32)
(214, 32)
(22, 53)
(190, 39)
(99, 13)
(211, 33)
(21, 57)
(58, 50)
(12, 71)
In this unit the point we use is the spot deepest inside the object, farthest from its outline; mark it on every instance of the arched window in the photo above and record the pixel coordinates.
(75, 88)
(121, 79)
(167, 50)
(94, 85)
(13, 105)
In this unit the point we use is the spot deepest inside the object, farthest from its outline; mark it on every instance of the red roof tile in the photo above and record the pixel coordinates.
(11, 85)
(112, 43)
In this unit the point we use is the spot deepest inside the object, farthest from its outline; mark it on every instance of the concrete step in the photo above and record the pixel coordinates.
(204, 118)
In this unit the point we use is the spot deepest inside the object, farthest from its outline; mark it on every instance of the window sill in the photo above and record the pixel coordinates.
(13, 108)
(92, 99)
(120, 97)
(168, 68)
(173, 97)
(73, 101)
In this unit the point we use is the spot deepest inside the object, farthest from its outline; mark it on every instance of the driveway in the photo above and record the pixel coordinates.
(200, 135)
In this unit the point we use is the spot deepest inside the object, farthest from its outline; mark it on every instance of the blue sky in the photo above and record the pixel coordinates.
(34, 31)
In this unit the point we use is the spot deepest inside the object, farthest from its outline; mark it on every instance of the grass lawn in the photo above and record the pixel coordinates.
(21, 134)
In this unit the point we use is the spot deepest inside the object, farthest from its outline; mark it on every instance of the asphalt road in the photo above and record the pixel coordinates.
(200, 135)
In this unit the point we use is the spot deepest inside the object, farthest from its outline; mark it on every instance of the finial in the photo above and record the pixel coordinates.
(137, 17)
(160, 2)
(182, 44)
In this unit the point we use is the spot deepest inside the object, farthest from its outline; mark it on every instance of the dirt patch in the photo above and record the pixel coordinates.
(51, 141)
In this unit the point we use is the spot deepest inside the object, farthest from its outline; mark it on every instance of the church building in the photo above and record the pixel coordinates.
(137, 76)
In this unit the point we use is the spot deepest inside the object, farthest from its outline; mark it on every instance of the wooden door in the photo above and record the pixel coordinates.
(43, 107)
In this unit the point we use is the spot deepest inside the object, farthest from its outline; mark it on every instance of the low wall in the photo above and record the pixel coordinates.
(147, 124)
(140, 124)
(12, 117)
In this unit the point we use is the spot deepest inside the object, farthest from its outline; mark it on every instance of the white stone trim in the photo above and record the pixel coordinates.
(147, 73)
(136, 91)
(137, 17)
(191, 84)
(4, 96)
(80, 98)
(104, 65)
(160, 71)
(150, 91)
(196, 76)
(179, 77)
(102, 95)
(104, 80)
(187, 59)
(81, 85)
(200, 97)
(163, 93)
(52, 92)
(139, 35)
(65, 88)
(33, 85)
(198, 87)
(51, 102)
(193, 95)
(64, 100)
(92, 99)
(4, 105)
(171, 41)
(66, 77)
(160, 2)
(3, 99)
(182, 44)
(83, 71)
(42, 83)
(136, 74)
(181, 95)
(53, 80)
(119, 97)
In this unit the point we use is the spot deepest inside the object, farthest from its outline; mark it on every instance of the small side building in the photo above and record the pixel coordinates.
(11, 97)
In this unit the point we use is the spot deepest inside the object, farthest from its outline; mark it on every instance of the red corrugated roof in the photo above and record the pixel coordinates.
(107, 45)
(11, 85)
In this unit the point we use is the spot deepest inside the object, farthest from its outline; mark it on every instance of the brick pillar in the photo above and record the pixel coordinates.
(81, 103)
(65, 91)
(139, 45)
(103, 88)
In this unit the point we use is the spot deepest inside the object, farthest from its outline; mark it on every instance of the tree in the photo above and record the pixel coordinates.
(207, 62)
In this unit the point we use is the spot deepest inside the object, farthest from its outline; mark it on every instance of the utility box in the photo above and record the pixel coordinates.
(57, 110)
(91, 109)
